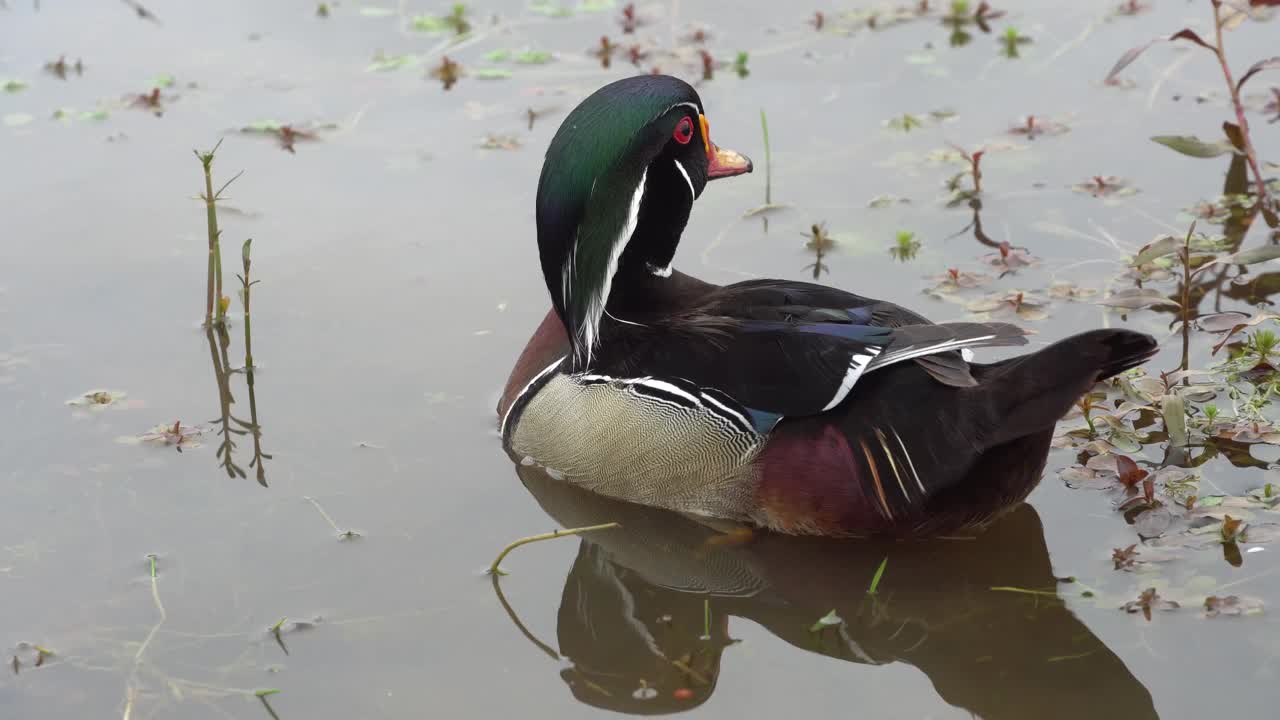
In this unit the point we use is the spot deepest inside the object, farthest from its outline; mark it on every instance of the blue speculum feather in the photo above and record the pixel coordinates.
(763, 420)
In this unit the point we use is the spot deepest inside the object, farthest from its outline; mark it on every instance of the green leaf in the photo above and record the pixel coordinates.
(543, 7)
(827, 620)
(13, 86)
(492, 73)
(376, 12)
(97, 115)
(393, 62)
(1194, 146)
(266, 691)
(162, 81)
(1174, 409)
(430, 24)
(1251, 256)
(16, 119)
(1158, 248)
(498, 55)
(533, 57)
(594, 6)
(875, 580)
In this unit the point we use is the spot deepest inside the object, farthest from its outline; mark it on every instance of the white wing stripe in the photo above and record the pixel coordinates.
(894, 357)
(856, 365)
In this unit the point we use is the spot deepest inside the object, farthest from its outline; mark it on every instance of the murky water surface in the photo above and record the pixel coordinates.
(357, 489)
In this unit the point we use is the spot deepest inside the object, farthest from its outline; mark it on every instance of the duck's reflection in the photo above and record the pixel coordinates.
(645, 615)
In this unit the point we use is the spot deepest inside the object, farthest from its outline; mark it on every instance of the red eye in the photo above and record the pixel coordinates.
(684, 131)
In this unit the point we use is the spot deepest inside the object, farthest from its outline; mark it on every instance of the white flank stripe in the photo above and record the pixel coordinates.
(685, 173)
(910, 464)
(595, 304)
(728, 410)
(666, 387)
(502, 428)
(851, 375)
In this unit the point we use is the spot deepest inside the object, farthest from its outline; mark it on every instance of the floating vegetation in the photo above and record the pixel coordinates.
(287, 135)
(61, 69)
(447, 72)
(907, 122)
(1032, 127)
(820, 243)
(1147, 602)
(455, 22)
(177, 436)
(1011, 40)
(1017, 303)
(905, 246)
(499, 142)
(1102, 186)
(385, 63)
(98, 399)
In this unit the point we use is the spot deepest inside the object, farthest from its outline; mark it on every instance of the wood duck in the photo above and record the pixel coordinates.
(782, 405)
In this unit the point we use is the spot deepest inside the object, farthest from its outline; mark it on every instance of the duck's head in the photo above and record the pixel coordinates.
(617, 185)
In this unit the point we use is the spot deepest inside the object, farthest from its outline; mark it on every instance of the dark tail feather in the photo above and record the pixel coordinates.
(1031, 393)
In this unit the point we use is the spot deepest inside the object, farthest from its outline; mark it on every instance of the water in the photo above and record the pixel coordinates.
(398, 284)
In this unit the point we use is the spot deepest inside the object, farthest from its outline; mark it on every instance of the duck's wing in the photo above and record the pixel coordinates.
(810, 302)
(804, 365)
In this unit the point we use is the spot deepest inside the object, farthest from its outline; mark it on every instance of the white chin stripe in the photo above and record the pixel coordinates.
(685, 173)
(659, 271)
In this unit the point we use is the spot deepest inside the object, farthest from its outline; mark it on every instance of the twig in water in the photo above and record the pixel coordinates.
(262, 695)
(342, 534)
(131, 692)
(495, 570)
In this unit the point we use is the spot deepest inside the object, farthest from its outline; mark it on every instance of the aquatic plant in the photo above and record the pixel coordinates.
(216, 303)
(1238, 134)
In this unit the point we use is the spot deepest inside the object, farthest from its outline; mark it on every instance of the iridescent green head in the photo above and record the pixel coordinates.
(617, 185)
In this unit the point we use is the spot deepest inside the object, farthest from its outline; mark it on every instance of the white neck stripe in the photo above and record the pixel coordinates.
(590, 330)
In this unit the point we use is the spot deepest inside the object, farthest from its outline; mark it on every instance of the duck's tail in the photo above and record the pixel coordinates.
(1032, 392)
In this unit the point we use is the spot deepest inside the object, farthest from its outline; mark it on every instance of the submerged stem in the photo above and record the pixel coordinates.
(768, 160)
(495, 570)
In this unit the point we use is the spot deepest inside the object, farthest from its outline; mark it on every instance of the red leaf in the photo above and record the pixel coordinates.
(1128, 58)
(1125, 558)
(1268, 64)
(1129, 472)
